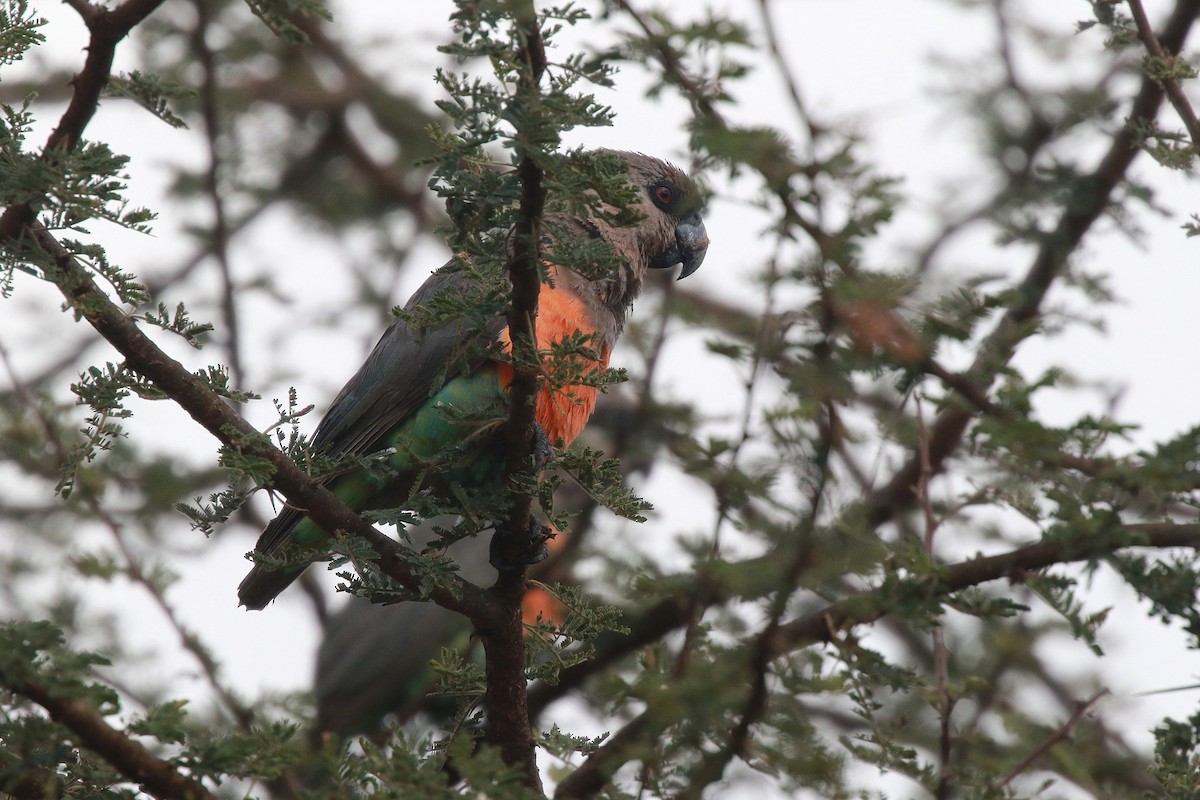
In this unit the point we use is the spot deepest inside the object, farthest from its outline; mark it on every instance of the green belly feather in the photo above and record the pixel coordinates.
(449, 440)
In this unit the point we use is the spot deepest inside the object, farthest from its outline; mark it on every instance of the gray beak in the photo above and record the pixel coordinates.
(691, 244)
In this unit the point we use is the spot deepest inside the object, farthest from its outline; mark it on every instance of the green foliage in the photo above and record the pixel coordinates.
(35, 653)
(105, 391)
(239, 458)
(562, 744)
(600, 479)
(282, 16)
(554, 645)
(64, 188)
(1058, 592)
(93, 257)
(431, 569)
(874, 427)
(68, 188)
(206, 514)
(1171, 584)
(217, 379)
(267, 752)
(18, 31)
(1176, 758)
(1173, 149)
(152, 93)
(706, 42)
(480, 199)
(179, 323)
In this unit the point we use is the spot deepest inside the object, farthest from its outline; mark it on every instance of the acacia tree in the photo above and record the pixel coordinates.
(832, 617)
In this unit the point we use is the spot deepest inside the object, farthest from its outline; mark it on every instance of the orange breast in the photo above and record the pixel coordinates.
(564, 411)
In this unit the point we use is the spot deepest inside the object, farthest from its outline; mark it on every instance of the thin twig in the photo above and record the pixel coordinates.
(209, 89)
(1061, 735)
(1171, 86)
(941, 669)
(133, 566)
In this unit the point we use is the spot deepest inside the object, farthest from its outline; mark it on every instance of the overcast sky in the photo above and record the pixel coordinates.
(866, 63)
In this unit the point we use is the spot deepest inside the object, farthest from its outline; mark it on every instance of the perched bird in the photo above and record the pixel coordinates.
(417, 398)
(373, 663)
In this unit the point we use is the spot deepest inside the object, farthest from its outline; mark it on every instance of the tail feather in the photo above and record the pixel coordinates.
(263, 584)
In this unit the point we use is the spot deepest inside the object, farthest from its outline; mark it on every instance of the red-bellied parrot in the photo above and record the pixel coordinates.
(417, 398)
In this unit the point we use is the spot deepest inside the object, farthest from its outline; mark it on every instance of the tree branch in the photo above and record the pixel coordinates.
(1061, 735)
(157, 778)
(1083, 208)
(107, 28)
(214, 415)
(506, 697)
(1170, 85)
(869, 606)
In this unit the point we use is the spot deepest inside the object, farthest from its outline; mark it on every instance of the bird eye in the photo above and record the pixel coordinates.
(664, 194)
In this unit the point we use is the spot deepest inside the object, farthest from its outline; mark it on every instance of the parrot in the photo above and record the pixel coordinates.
(416, 398)
(374, 660)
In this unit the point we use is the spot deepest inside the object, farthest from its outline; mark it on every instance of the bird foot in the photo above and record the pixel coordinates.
(531, 550)
(528, 547)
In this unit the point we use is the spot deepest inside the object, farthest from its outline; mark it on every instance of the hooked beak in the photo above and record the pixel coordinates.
(691, 243)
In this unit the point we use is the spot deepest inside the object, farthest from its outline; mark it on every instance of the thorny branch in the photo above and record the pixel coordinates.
(1174, 91)
(1061, 735)
(157, 778)
(869, 606)
(506, 696)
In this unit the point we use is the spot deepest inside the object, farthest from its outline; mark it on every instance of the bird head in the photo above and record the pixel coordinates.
(655, 224)
(672, 230)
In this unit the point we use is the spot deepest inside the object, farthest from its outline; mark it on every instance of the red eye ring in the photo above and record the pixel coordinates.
(664, 194)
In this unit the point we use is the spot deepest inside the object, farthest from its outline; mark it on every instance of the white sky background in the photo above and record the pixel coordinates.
(866, 62)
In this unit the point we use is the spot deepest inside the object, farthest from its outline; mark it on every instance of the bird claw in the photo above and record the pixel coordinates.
(533, 548)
